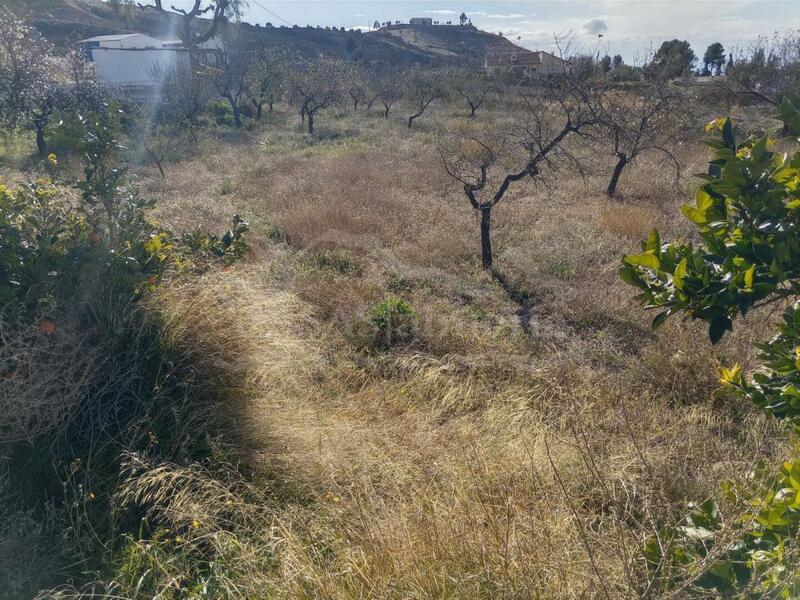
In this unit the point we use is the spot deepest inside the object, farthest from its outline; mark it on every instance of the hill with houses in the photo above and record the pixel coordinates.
(398, 44)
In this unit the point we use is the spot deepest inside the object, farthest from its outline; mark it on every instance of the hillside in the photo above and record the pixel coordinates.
(65, 20)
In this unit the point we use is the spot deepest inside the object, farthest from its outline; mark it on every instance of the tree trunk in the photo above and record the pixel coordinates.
(259, 109)
(237, 116)
(271, 104)
(472, 108)
(311, 123)
(386, 112)
(156, 160)
(612, 185)
(355, 103)
(41, 144)
(486, 240)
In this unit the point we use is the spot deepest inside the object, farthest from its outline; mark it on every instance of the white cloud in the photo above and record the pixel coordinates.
(595, 26)
(441, 12)
(507, 16)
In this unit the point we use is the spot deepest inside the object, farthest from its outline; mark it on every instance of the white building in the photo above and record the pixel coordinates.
(526, 63)
(129, 60)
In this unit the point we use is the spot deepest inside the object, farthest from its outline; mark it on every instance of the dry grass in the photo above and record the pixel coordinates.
(480, 461)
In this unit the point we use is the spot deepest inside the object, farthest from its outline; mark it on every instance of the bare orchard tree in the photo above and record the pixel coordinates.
(207, 14)
(488, 163)
(267, 80)
(29, 74)
(161, 143)
(231, 77)
(317, 85)
(421, 87)
(183, 96)
(358, 84)
(642, 123)
(388, 92)
(769, 72)
(474, 87)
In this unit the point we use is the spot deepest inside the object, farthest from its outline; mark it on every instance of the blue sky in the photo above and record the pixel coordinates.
(629, 27)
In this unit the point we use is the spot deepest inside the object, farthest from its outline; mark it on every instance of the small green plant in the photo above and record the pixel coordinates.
(333, 260)
(227, 188)
(277, 235)
(394, 322)
(748, 218)
(223, 114)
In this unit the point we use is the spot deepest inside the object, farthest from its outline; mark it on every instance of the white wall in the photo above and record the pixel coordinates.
(117, 67)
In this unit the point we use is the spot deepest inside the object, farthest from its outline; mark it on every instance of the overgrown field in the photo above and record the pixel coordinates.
(369, 413)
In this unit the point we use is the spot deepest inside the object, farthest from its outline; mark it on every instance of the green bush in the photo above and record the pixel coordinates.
(332, 260)
(394, 322)
(223, 114)
(747, 213)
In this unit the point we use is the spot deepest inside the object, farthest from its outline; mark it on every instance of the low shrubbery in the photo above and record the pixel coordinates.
(394, 321)
(87, 375)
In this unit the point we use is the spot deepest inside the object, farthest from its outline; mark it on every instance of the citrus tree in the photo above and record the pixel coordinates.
(747, 213)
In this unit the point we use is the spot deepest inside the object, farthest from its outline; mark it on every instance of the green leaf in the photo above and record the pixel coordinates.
(749, 275)
(718, 328)
(647, 260)
(679, 274)
(660, 318)
(653, 242)
(631, 277)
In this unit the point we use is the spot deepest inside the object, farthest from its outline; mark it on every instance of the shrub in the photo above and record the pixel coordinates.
(333, 260)
(223, 114)
(86, 371)
(394, 322)
(748, 216)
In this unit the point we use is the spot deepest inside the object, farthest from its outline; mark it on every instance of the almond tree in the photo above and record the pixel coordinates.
(641, 123)
(769, 72)
(266, 81)
(474, 87)
(230, 78)
(317, 85)
(488, 164)
(421, 88)
(389, 92)
(357, 82)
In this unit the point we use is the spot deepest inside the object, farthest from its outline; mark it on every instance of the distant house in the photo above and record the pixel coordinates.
(526, 63)
(129, 60)
(421, 21)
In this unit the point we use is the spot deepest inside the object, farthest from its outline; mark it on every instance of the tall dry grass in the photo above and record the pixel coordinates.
(481, 460)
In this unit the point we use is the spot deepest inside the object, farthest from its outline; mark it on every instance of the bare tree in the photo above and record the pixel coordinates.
(183, 95)
(388, 90)
(637, 124)
(317, 85)
(488, 164)
(213, 13)
(474, 87)
(231, 77)
(358, 84)
(769, 71)
(421, 88)
(266, 81)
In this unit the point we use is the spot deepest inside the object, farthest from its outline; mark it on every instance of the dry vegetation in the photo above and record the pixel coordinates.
(521, 446)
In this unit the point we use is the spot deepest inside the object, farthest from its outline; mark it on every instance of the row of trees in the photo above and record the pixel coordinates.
(259, 77)
(536, 143)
